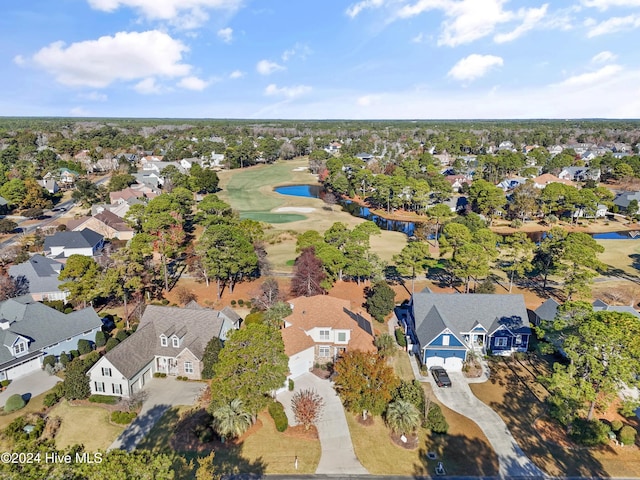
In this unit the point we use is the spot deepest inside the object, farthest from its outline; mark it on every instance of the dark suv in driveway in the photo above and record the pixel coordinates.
(441, 376)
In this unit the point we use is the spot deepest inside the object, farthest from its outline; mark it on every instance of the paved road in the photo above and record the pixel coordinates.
(30, 385)
(459, 398)
(163, 393)
(338, 457)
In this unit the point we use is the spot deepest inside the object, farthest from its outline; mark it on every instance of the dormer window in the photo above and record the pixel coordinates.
(175, 342)
(164, 341)
(324, 335)
(20, 348)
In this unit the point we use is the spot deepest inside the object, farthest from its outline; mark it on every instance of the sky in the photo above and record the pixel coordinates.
(321, 59)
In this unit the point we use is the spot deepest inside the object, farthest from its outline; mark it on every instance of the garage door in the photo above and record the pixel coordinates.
(23, 369)
(298, 366)
(453, 364)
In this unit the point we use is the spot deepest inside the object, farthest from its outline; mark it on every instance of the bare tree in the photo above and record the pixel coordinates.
(269, 294)
(11, 287)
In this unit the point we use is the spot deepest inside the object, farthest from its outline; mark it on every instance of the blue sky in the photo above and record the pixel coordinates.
(321, 59)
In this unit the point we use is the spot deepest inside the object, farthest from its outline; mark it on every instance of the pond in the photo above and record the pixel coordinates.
(316, 191)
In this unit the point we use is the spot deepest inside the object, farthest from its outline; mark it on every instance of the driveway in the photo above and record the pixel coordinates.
(459, 398)
(163, 393)
(30, 385)
(338, 457)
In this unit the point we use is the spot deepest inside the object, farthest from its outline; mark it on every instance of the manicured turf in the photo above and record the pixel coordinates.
(86, 425)
(273, 217)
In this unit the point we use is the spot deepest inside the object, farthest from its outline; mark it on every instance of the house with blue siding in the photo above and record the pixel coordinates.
(444, 329)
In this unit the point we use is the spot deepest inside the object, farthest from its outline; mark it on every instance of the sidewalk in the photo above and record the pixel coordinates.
(459, 398)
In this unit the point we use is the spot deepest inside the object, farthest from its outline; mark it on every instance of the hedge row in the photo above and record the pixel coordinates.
(108, 399)
(276, 410)
(123, 418)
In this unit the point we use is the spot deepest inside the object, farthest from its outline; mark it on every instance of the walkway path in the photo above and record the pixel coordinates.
(338, 457)
(29, 385)
(459, 398)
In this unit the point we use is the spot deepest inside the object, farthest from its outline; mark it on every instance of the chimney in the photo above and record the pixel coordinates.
(4, 324)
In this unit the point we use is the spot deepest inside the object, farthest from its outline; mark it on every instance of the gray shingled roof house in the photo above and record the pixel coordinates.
(42, 275)
(444, 328)
(549, 309)
(64, 244)
(29, 330)
(168, 340)
(624, 199)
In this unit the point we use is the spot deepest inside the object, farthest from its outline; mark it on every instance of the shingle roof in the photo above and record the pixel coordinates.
(194, 326)
(42, 325)
(461, 312)
(625, 198)
(41, 272)
(114, 221)
(330, 312)
(86, 238)
(548, 310)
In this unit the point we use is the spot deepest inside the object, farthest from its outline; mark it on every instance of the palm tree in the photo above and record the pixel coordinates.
(403, 416)
(231, 420)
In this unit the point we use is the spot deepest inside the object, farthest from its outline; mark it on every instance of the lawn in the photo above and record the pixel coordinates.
(34, 405)
(86, 425)
(262, 450)
(621, 255)
(515, 394)
(402, 366)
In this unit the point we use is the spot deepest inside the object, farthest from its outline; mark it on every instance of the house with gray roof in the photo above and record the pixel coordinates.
(42, 274)
(64, 244)
(444, 329)
(624, 199)
(30, 330)
(169, 340)
(548, 311)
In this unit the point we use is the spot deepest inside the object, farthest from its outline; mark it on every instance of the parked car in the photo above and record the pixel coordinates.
(441, 376)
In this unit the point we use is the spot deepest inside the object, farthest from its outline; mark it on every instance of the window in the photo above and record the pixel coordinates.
(342, 336)
(20, 347)
(324, 351)
(445, 340)
(324, 335)
(106, 372)
(175, 341)
(163, 341)
(518, 339)
(188, 367)
(501, 342)
(117, 388)
(99, 387)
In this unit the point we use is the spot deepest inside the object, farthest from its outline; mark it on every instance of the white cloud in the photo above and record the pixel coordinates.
(125, 56)
(148, 86)
(532, 17)
(418, 38)
(93, 96)
(614, 24)
(226, 34)
(367, 100)
(299, 50)
(186, 14)
(19, 60)
(273, 90)
(470, 20)
(193, 83)
(236, 74)
(592, 78)
(356, 8)
(604, 57)
(474, 66)
(605, 4)
(266, 67)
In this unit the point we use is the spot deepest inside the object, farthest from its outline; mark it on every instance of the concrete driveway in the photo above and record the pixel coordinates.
(338, 457)
(30, 385)
(459, 398)
(163, 393)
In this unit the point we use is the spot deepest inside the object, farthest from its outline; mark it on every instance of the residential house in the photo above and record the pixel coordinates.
(600, 212)
(365, 157)
(625, 198)
(168, 340)
(506, 146)
(555, 150)
(548, 311)
(106, 223)
(65, 177)
(333, 148)
(457, 181)
(119, 209)
(545, 179)
(64, 244)
(444, 329)
(580, 174)
(4, 206)
(50, 185)
(509, 184)
(30, 330)
(42, 274)
(320, 328)
(217, 160)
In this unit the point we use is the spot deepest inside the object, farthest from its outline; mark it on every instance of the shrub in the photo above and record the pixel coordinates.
(487, 286)
(276, 410)
(111, 344)
(49, 360)
(84, 346)
(91, 358)
(101, 339)
(64, 359)
(122, 418)
(160, 375)
(435, 420)
(291, 385)
(74, 353)
(254, 318)
(164, 302)
(107, 399)
(590, 432)
(122, 335)
(400, 338)
(627, 435)
(616, 425)
(14, 402)
(241, 302)
(50, 399)
(233, 303)
(5, 383)
(380, 300)
(517, 223)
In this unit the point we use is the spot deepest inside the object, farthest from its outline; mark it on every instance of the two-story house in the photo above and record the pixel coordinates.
(64, 244)
(321, 328)
(42, 274)
(169, 340)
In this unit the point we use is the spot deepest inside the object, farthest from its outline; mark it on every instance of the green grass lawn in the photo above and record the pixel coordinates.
(268, 217)
(402, 366)
(35, 405)
(86, 425)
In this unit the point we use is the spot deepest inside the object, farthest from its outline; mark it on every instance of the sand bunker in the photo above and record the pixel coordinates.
(295, 209)
(300, 169)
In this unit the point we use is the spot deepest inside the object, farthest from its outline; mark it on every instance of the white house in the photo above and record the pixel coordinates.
(64, 244)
